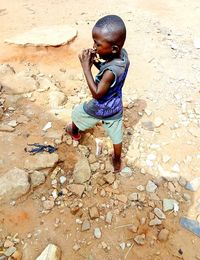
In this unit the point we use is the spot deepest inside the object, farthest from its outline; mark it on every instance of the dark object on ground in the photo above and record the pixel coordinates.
(39, 148)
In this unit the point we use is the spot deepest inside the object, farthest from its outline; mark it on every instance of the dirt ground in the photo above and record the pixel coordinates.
(163, 81)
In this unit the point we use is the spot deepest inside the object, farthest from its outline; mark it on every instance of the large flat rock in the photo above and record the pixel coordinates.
(45, 36)
(13, 184)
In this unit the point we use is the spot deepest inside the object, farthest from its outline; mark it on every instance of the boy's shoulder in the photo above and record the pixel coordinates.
(117, 65)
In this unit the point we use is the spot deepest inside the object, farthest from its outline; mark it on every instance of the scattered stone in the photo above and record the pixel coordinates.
(76, 247)
(140, 239)
(62, 179)
(122, 245)
(158, 212)
(109, 217)
(48, 204)
(126, 172)
(82, 171)
(13, 184)
(168, 204)
(77, 189)
(109, 178)
(154, 222)
(151, 186)
(37, 178)
(121, 197)
(105, 246)
(158, 122)
(140, 188)
(133, 228)
(148, 125)
(176, 168)
(86, 152)
(166, 158)
(133, 196)
(171, 187)
(8, 243)
(41, 161)
(97, 233)
(6, 128)
(186, 197)
(13, 123)
(94, 212)
(51, 252)
(182, 181)
(193, 185)
(11, 250)
(56, 99)
(85, 225)
(163, 235)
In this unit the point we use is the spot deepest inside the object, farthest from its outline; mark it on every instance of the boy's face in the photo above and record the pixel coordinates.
(102, 46)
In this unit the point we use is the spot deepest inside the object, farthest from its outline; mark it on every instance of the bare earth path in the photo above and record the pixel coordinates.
(161, 142)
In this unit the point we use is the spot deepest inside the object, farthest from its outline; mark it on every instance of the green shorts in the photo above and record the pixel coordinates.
(84, 121)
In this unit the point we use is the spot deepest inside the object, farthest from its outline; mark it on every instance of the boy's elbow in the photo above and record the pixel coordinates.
(97, 96)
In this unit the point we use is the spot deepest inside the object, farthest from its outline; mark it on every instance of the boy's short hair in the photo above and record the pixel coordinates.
(115, 27)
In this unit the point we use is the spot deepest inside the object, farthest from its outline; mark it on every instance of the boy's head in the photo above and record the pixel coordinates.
(109, 34)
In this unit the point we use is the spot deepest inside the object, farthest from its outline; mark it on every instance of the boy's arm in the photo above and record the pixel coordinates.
(98, 91)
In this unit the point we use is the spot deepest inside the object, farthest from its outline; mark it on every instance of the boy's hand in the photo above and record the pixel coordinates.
(87, 58)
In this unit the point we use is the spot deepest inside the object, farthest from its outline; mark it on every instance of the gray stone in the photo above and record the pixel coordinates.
(51, 252)
(48, 204)
(13, 184)
(151, 186)
(154, 222)
(187, 197)
(82, 171)
(163, 235)
(10, 251)
(126, 172)
(77, 189)
(109, 178)
(41, 161)
(37, 178)
(182, 181)
(6, 128)
(94, 212)
(18, 84)
(85, 225)
(56, 98)
(109, 217)
(158, 212)
(140, 188)
(168, 204)
(97, 233)
(193, 185)
(140, 239)
(133, 196)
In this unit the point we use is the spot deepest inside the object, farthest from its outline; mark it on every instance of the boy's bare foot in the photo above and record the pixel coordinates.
(75, 137)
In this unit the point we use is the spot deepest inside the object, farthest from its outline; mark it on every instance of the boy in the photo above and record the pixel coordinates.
(109, 34)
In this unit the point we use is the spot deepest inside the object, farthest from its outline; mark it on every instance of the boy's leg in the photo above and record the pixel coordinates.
(80, 121)
(114, 130)
(116, 158)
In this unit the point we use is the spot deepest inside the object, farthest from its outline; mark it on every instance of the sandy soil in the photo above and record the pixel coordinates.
(161, 77)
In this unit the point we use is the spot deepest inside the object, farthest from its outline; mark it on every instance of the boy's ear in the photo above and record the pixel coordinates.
(115, 49)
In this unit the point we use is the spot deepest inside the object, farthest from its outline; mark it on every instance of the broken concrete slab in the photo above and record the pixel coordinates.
(55, 35)
(41, 161)
(13, 184)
